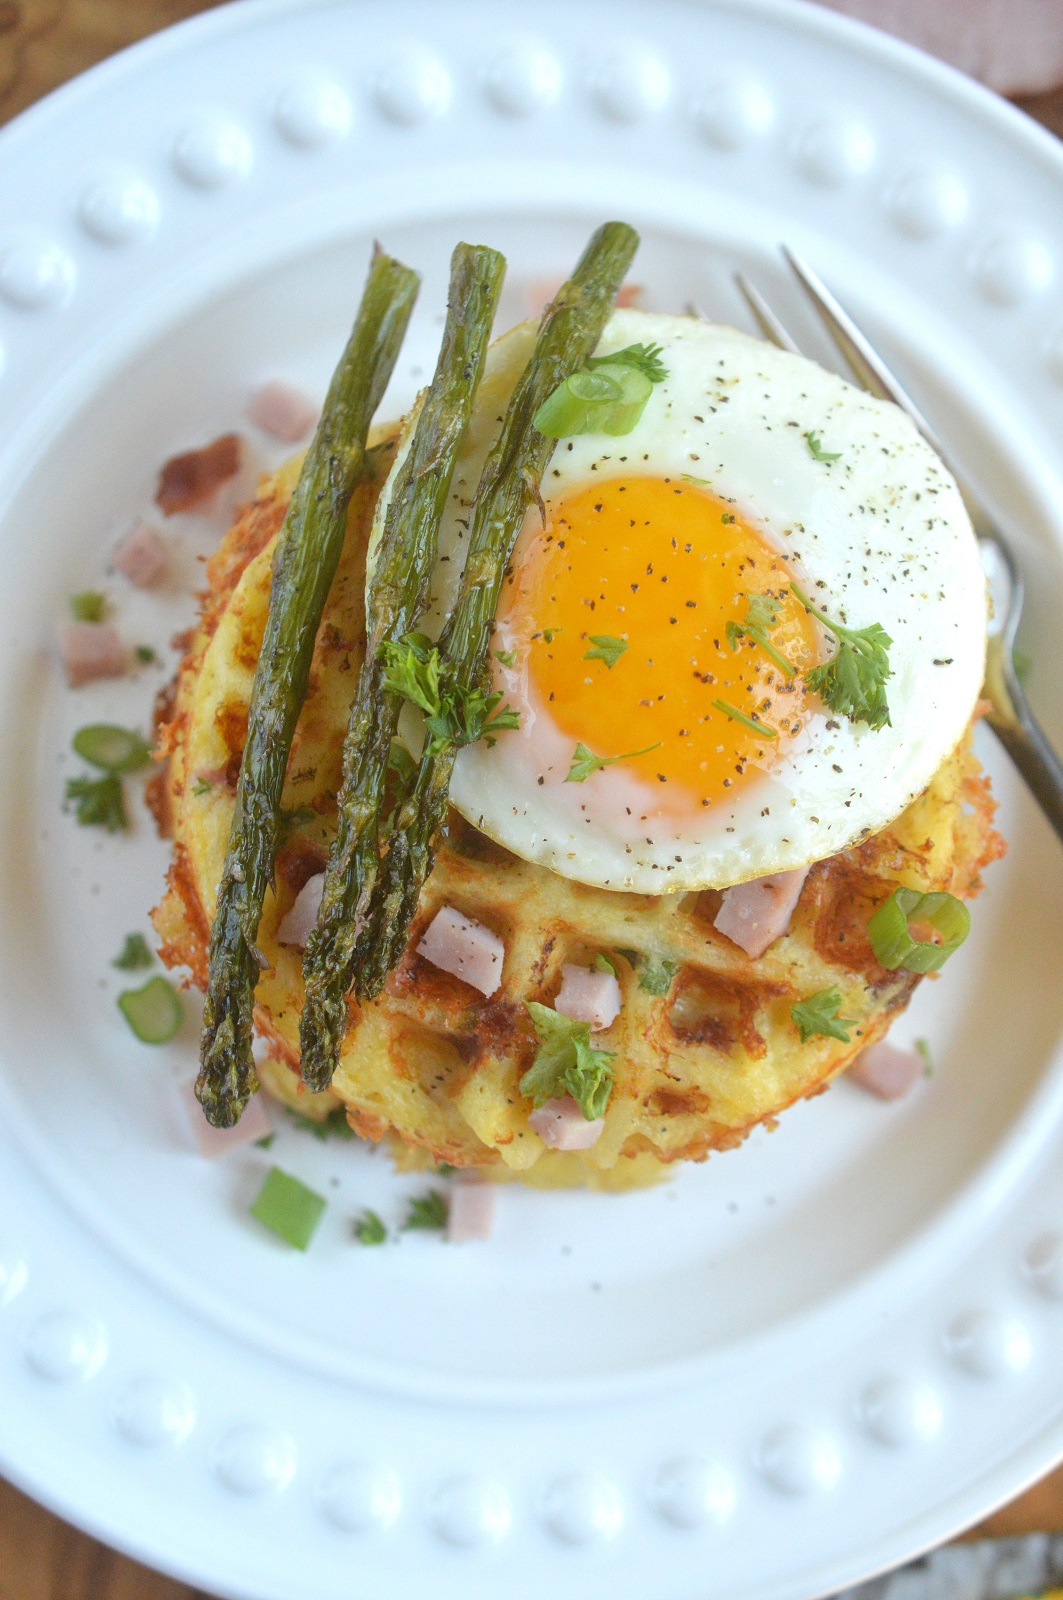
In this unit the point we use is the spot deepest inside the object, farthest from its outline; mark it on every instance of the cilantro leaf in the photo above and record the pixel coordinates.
(88, 606)
(98, 802)
(369, 1229)
(135, 953)
(645, 358)
(816, 450)
(819, 1014)
(853, 681)
(655, 974)
(762, 613)
(567, 1063)
(411, 669)
(584, 761)
(606, 648)
(752, 723)
(427, 1211)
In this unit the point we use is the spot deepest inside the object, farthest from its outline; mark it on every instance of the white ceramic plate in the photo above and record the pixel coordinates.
(797, 1364)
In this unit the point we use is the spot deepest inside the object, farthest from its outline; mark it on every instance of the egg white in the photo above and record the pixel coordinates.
(880, 535)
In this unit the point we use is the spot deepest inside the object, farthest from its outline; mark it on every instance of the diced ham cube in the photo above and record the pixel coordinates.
(464, 948)
(282, 411)
(754, 914)
(187, 482)
(562, 1125)
(587, 995)
(297, 925)
(91, 650)
(471, 1214)
(886, 1070)
(143, 556)
(214, 1142)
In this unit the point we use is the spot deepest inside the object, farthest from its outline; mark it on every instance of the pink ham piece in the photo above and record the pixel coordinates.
(587, 995)
(298, 924)
(464, 948)
(755, 914)
(91, 650)
(561, 1125)
(282, 411)
(214, 1142)
(471, 1214)
(142, 556)
(189, 482)
(886, 1070)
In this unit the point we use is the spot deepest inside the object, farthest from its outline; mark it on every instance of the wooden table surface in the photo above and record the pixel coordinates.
(42, 43)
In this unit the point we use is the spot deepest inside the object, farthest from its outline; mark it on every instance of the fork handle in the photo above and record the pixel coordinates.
(1027, 744)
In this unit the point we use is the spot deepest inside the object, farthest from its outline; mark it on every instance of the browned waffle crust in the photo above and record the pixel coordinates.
(705, 1046)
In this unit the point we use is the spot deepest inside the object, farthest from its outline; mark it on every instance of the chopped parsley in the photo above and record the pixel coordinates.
(655, 974)
(98, 802)
(645, 358)
(747, 722)
(202, 786)
(816, 450)
(334, 1126)
(508, 658)
(454, 713)
(584, 761)
(762, 613)
(923, 1047)
(369, 1229)
(427, 1212)
(605, 648)
(567, 1063)
(134, 953)
(88, 606)
(853, 681)
(819, 1015)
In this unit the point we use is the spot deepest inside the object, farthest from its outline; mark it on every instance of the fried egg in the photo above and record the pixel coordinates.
(656, 751)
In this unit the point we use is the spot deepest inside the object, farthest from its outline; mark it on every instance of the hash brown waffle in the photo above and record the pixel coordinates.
(705, 1046)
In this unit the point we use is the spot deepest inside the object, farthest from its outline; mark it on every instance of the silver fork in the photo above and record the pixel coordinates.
(1009, 715)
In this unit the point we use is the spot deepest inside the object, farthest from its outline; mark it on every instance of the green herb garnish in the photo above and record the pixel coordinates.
(111, 748)
(145, 654)
(334, 1126)
(923, 1046)
(88, 606)
(454, 713)
(819, 1014)
(645, 358)
(1023, 665)
(202, 786)
(853, 681)
(584, 761)
(762, 613)
(602, 963)
(369, 1229)
(135, 953)
(508, 658)
(153, 1011)
(427, 1211)
(567, 1063)
(288, 1208)
(655, 974)
(608, 395)
(747, 722)
(98, 802)
(890, 930)
(606, 648)
(816, 450)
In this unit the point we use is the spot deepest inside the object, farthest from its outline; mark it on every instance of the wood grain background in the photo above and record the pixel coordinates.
(42, 43)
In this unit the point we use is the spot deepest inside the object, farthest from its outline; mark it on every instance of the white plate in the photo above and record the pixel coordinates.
(795, 1365)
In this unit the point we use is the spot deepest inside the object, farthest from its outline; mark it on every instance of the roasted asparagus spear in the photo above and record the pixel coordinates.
(307, 552)
(397, 592)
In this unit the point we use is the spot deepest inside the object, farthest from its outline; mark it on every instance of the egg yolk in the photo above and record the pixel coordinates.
(618, 609)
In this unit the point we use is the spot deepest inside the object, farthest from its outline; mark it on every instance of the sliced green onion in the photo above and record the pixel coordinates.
(111, 748)
(890, 930)
(153, 1011)
(611, 399)
(88, 606)
(288, 1208)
